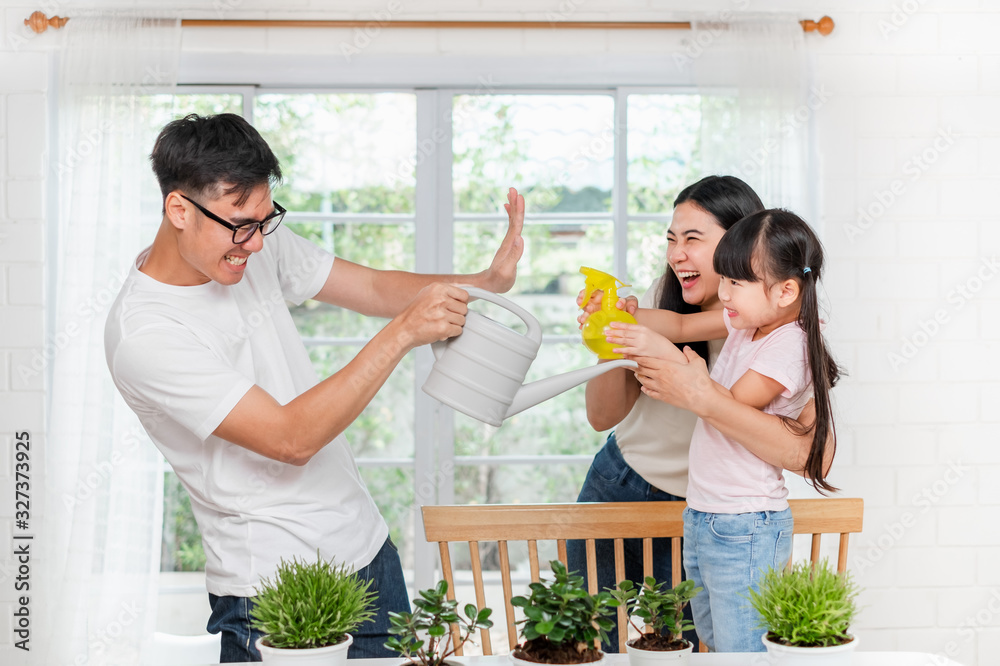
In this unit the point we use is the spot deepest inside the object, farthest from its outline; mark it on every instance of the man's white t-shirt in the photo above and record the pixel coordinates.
(183, 357)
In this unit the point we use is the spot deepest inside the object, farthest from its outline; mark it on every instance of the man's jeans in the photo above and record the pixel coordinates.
(726, 553)
(231, 615)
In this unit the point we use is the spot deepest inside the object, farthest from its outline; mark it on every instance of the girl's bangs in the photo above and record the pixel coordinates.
(734, 253)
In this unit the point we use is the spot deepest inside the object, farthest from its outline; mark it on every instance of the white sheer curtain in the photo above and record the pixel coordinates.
(757, 108)
(103, 494)
(757, 112)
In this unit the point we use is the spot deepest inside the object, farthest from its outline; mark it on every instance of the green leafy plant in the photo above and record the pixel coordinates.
(424, 635)
(661, 609)
(311, 605)
(806, 606)
(561, 619)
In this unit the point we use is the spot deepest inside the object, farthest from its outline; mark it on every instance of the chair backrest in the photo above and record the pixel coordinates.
(502, 523)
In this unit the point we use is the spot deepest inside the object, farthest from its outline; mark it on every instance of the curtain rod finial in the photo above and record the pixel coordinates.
(824, 26)
(39, 22)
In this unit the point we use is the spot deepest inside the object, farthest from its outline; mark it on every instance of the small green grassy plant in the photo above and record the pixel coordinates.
(311, 605)
(659, 607)
(560, 616)
(806, 606)
(423, 636)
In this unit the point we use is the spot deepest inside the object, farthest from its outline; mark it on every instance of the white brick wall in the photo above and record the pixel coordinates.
(898, 79)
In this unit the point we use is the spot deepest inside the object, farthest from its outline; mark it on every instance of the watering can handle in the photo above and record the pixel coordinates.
(534, 331)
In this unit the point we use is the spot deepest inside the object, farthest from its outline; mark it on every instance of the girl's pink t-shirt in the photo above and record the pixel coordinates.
(724, 477)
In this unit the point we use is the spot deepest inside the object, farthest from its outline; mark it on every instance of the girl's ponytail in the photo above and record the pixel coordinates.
(825, 374)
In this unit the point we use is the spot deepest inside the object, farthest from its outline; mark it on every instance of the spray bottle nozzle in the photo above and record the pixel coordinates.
(606, 282)
(593, 328)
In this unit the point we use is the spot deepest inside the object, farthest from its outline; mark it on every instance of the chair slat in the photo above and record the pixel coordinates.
(477, 581)
(533, 560)
(814, 549)
(675, 561)
(620, 576)
(448, 575)
(507, 594)
(647, 557)
(842, 552)
(591, 567)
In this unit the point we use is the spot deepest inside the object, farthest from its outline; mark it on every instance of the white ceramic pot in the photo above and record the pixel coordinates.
(786, 655)
(638, 657)
(521, 662)
(332, 655)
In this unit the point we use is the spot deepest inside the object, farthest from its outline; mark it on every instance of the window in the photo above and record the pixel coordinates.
(416, 179)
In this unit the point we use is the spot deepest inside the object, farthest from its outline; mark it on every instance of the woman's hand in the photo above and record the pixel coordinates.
(681, 380)
(627, 303)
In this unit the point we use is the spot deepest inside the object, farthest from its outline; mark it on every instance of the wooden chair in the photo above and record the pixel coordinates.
(816, 517)
(503, 523)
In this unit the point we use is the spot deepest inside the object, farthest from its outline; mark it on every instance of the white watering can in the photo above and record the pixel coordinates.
(480, 372)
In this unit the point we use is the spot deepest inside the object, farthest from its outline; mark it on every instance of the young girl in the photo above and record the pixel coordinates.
(774, 359)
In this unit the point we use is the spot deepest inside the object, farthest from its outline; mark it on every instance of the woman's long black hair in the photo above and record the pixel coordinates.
(726, 198)
(773, 246)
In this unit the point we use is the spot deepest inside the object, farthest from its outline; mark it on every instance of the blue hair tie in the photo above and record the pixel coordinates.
(806, 270)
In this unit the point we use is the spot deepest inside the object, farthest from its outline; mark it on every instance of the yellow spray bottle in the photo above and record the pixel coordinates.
(593, 329)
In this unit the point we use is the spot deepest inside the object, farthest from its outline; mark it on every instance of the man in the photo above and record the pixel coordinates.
(202, 347)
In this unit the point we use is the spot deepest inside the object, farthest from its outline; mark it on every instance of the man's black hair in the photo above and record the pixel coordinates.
(213, 156)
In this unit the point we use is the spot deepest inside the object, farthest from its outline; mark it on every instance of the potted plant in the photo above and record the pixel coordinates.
(807, 611)
(662, 610)
(424, 636)
(307, 611)
(561, 620)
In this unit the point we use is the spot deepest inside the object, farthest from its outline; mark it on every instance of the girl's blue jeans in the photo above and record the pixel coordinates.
(726, 553)
(610, 479)
(231, 615)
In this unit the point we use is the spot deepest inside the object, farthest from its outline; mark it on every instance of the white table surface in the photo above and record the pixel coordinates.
(716, 659)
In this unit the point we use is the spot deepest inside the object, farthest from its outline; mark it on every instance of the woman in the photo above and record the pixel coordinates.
(645, 457)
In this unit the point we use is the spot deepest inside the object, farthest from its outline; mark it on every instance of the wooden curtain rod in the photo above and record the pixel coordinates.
(39, 23)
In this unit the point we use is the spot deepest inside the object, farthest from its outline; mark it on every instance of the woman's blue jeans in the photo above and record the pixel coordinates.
(726, 553)
(610, 479)
(231, 615)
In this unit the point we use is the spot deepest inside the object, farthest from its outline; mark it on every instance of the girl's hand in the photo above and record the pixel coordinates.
(636, 341)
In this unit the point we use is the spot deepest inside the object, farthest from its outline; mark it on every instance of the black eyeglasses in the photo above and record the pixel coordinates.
(244, 232)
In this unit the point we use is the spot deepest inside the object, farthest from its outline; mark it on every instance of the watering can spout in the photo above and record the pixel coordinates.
(531, 394)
